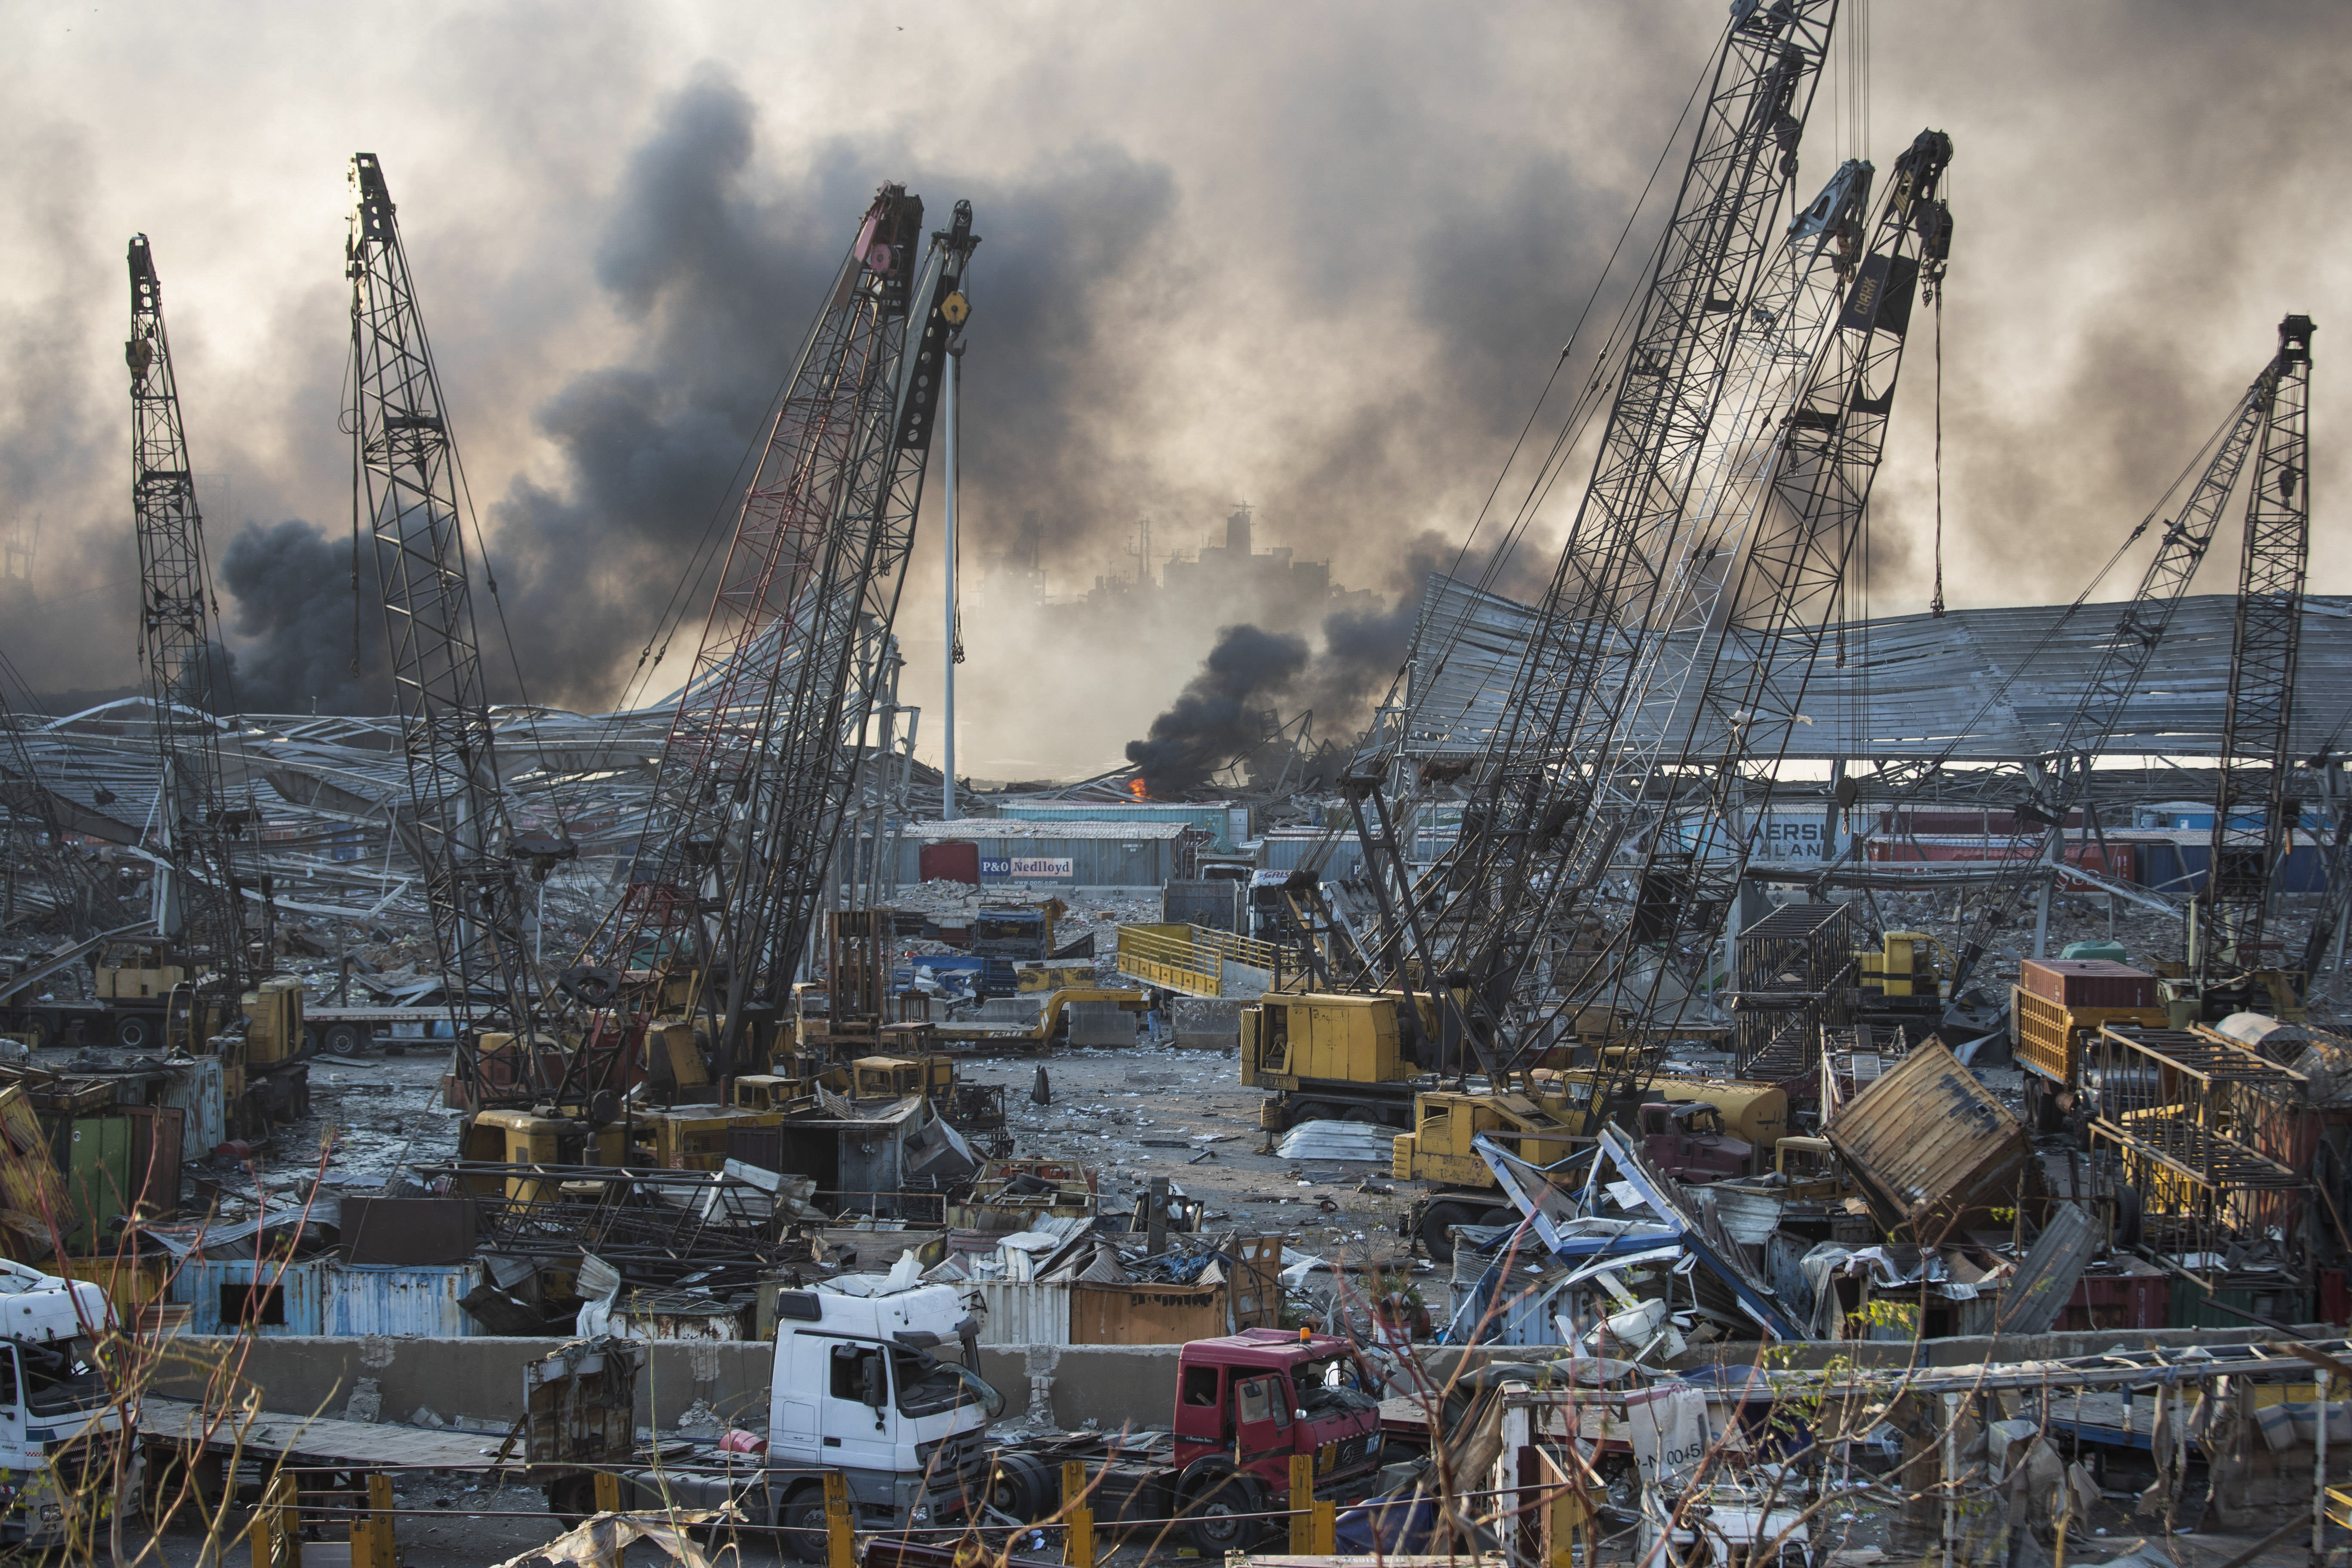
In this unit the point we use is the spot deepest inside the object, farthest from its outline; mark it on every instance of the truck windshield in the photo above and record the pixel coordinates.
(927, 1386)
(1335, 1383)
(60, 1376)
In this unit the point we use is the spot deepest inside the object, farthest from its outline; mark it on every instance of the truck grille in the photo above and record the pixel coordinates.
(1351, 1454)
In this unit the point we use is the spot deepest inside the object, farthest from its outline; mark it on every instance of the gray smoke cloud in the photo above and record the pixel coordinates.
(1318, 259)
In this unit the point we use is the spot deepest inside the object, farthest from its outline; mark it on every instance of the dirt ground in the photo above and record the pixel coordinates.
(1134, 1113)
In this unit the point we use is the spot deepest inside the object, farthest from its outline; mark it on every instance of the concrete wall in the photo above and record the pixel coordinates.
(477, 1382)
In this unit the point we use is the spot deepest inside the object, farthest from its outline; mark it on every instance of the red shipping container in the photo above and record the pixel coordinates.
(2110, 1301)
(2115, 861)
(2088, 982)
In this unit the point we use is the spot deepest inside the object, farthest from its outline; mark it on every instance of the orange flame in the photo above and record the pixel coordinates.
(1136, 788)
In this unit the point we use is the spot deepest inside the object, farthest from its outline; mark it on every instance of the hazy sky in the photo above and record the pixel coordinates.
(1317, 258)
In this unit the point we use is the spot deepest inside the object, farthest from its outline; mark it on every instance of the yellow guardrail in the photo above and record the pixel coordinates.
(1191, 959)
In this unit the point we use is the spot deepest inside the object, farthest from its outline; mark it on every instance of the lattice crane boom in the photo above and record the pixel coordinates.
(1580, 677)
(1786, 589)
(2123, 658)
(761, 751)
(2248, 851)
(457, 823)
(198, 891)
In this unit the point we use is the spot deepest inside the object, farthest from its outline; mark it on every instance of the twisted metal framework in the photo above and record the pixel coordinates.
(1786, 590)
(1536, 836)
(198, 895)
(2249, 853)
(2123, 660)
(757, 766)
(406, 462)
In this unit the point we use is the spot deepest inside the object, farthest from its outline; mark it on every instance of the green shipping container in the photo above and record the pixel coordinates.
(2195, 1308)
(96, 1158)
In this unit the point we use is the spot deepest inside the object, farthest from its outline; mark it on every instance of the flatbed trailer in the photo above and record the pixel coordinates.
(183, 1426)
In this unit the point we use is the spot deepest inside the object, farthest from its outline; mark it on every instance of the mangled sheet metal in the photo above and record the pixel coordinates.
(1930, 1146)
(2045, 1281)
(1556, 1211)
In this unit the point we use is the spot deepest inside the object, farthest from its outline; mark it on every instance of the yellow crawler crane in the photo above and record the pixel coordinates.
(1343, 1057)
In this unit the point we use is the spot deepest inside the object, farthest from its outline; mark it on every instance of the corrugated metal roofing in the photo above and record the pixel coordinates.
(1913, 685)
(1023, 1312)
(979, 828)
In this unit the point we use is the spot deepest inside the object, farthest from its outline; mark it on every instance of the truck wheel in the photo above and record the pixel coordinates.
(1435, 1221)
(1217, 1508)
(134, 1031)
(1021, 1485)
(573, 1499)
(1499, 1216)
(803, 1520)
(341, 1039)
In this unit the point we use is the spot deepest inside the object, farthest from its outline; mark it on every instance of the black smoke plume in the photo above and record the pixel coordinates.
(296, 614)
(1221, 711)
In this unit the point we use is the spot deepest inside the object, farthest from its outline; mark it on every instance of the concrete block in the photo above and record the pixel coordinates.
(1206, 1024)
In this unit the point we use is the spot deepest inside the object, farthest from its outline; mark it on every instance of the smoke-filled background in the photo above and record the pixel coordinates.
(1315, 259)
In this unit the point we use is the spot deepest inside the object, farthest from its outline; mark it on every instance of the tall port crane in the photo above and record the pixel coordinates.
(765, 742)
(457, 822)
(2062, 784)
(1531, 833)
(198, 891)
(2252, 814)
(1784, 594)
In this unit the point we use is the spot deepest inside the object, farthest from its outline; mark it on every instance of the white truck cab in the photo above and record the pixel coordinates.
(877, 1386)
(884, 1389)
(56, 1411)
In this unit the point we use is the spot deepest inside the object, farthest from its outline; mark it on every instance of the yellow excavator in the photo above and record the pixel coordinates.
(1370, 1058)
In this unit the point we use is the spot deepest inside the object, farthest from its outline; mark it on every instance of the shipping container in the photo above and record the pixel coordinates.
(2110, 860)
(412, 1300)
(195, 1087)
(1930, 1146)
(227, 1296)
(2049, 1037)
(1055, 853)
(129, 1283)
(2138, 1298)
(2089, 982)
(2176, 865)
(2194, 1307)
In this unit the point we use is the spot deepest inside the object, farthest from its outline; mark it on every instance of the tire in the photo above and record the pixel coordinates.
(1364, 1115)
(1435, 1221)
(340, 1038)
(134, 1031)
(573, 1499)
(1499, 1216)
(1217, 1502)
(1020, 1484)
(802, 1520)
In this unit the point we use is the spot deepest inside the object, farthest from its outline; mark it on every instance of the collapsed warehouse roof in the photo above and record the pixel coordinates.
(1989, 685)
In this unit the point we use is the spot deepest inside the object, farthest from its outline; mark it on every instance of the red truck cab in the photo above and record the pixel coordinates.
(1246, 1403)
